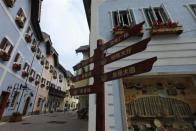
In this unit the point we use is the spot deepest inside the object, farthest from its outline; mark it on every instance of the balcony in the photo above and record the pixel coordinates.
(16, 66)
(4, 55)
(166, 28)
(25, 73)
(33, 48)
(9, 3)
(28, 37)
(37, 82)
(20, 21)
(31, 78)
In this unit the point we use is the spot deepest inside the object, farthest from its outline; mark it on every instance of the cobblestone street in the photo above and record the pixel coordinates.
(48, 122)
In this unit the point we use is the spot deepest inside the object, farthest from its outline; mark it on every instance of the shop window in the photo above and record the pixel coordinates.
(122, 20)
(20, 18)
(28, 35)
(5, 49)
(25, 71)
(32, 75)
(17, 62)
(9, 3)
(37, 79)
(34, 46)
(14, 99)
(43, 82)
(39, 102)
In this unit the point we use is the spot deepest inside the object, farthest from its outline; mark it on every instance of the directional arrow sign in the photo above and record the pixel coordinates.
(130, 50)
(82, 76)
(83, 63)
(138, 68)
(82, 90)
(133, 31)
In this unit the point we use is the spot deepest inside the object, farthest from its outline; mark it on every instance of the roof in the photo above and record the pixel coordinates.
(35, 18)
(84, 48)
(62, 69)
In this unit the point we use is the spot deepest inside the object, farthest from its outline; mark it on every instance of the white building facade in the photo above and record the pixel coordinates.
(171, 24)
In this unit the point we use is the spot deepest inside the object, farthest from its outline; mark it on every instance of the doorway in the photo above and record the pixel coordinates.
(3, 102)
(26, 106)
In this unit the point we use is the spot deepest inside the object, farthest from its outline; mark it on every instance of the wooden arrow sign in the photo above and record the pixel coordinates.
(82, 76)
(82, 90)
(138, 68)
(130, 50)
(132, 32)
(83, 63)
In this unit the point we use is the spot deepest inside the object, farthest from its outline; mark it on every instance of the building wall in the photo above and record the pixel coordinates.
(176, 53)
(10, 81)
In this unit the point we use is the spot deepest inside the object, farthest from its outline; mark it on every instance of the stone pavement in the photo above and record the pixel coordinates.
(48, 122)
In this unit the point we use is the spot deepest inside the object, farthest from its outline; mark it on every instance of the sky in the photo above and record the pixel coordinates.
(65, 22)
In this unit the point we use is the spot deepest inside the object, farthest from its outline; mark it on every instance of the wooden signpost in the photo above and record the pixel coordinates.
(99, 59)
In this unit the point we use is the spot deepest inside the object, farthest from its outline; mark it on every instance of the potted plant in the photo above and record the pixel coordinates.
(20, 21)
(28, 37)
(16, 116)
(16, 66)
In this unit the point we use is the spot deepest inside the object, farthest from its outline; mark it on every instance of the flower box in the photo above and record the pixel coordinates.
(16, 116)
(60, 80)
(42, 62)
(47, 66)
(28, 38)
(119, 30)
(166, 28)
(4, 55)
(31, 78)
(51, 71)
(36, 82)
(16, 66)
(24, 73)
(20, 21)
(38, 56)
(42, 84)
(33, 48)
(9, 3)
(54, 77)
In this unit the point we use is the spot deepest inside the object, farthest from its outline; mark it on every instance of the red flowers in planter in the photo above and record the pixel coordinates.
(169, 24)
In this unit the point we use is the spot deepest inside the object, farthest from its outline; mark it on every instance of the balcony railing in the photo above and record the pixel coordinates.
(9, 3)
(4, 55)
(16, 66)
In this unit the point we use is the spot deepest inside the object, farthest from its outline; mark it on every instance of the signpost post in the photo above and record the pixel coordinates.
(99, 60)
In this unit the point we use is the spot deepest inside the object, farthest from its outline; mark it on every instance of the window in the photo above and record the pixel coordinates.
(37, 79)
(34, 46)
(26, 67)
(14, 99)
(42, 60)
(43, 82)
(5, 49)
(60, 78)
(17, 62)
(156, 15)
(39, 102)
(38, 53)
(20, 18)
(18, 58)
(47, 65)
(122, 18)
(54, 74)
(32, 74)
(9, 3)
(47, 84)
(28, 35)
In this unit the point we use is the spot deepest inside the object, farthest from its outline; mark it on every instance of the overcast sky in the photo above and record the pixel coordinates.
(65, 22)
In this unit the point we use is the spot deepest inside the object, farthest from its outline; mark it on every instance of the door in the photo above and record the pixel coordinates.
(3, 102)
(26, 106)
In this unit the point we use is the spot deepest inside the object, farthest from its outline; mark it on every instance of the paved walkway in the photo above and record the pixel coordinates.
(48, 122)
